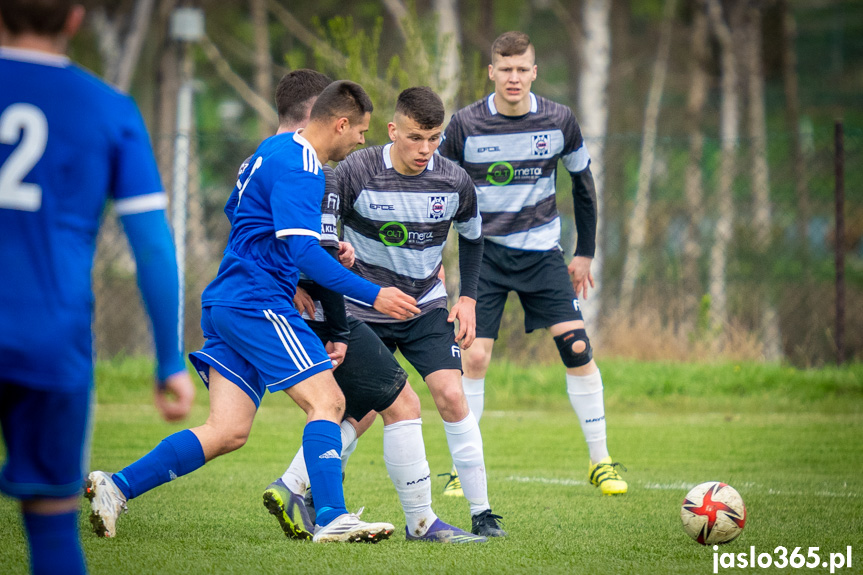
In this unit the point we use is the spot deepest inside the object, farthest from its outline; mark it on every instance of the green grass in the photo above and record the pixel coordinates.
(788, 440)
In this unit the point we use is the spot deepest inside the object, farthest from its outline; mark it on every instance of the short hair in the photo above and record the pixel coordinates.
(511, 43)
(342, 99)
(42, 17)
(421, 105)
(294, 92)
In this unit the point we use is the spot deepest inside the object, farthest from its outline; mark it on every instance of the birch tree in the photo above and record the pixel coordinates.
(729, 120)
(638, 223)
(593, 119)
(760, 175)
(694, 185)
(263, 65)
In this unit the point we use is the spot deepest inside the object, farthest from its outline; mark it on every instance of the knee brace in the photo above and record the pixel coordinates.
(564, 343)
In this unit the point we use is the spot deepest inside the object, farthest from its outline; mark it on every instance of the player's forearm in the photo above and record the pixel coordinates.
(469, 260)
(158, 281)
(314, 261)
(333, 304)
(584, 204)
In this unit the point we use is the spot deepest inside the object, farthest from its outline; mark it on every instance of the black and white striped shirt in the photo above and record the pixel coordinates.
(398, 224)
(513, 163)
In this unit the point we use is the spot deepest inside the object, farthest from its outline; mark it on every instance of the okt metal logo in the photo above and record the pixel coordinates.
(393, 234)
(500, 173)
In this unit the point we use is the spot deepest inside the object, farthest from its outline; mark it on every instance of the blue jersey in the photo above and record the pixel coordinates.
(278, 196)
(68, 143)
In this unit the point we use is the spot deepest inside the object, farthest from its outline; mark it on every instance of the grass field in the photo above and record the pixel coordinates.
(790, 441)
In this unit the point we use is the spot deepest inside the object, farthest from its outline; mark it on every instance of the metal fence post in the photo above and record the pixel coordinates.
(187, 26)
(840, 242)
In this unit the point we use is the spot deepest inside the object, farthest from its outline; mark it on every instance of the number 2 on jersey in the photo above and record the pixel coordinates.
(25, 125)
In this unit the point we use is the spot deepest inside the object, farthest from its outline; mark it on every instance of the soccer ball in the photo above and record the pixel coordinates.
(713, 513)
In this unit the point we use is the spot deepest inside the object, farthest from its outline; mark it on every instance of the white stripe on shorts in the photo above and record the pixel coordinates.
(292, 337)
(282, 336)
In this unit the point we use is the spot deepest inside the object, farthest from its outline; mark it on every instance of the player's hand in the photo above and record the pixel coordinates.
(337, 351)
(174, 398)
(579, 274)
(465, 312)
(304, 302)
(396, 303)
(347, 254)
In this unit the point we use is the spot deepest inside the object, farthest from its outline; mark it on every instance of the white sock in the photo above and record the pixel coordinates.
(296, 476)
(585, 395)
(349, 442)
(465, 446)
(474, 391)
(405, 458)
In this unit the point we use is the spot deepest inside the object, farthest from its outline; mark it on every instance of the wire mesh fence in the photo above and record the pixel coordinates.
(747, 272)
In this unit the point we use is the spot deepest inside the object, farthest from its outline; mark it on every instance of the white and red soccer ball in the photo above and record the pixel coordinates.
(713, 513)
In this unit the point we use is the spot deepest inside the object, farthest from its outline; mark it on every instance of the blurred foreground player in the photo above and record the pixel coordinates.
(61, 159)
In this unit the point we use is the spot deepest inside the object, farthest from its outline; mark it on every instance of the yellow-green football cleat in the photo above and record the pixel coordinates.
(605, 476)
(453, 484)
(289, 510)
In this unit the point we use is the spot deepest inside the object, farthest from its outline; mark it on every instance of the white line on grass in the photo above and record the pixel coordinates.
(683, 486)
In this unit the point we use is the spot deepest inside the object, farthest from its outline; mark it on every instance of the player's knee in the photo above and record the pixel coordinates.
(476, 360)
(451, 402)
(574, 348)
(233, 439)
(410, 402)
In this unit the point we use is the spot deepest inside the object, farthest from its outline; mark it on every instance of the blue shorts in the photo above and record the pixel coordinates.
(46, 435)
(259, 350)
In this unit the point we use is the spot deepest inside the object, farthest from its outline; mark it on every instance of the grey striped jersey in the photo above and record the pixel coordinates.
(513, 163)
(398, 224)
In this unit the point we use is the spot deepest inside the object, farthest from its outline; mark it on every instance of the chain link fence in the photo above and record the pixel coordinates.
(742, 272)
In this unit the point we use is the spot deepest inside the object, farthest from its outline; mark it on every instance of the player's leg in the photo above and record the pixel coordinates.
(408, 468)
(476, 360)
(323, 402)
(280, 496)
(232, 412)
(549, 301)
(428, 343)
(491, 300)
(44, 435)
(492, 292)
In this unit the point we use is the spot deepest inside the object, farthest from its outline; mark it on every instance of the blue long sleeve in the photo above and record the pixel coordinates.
(158, 281)
(323, 269)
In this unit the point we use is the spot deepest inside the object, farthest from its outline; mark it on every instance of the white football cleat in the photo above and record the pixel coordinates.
(350, 529)
(107, 503)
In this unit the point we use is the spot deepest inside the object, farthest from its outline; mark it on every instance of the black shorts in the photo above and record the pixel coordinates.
(540, 279)
(427, 342)
(370, 377)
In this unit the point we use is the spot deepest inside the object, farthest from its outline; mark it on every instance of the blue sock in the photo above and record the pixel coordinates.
(175, 456)
(322, 446)
(55, 546)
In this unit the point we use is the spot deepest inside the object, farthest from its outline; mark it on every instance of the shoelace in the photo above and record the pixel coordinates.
(609, 468)
(489, 515)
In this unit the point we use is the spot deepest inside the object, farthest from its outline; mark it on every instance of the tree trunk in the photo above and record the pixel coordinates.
(261, 105)
(593, 119)
(638, 221)
(134, 41)
(267, 123)
(694, 177)
(792, 115)
(449, 47)
(729, 120)
(760, 177)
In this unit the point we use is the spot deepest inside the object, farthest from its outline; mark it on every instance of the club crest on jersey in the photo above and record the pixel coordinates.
(437, 207)
(540, 145)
